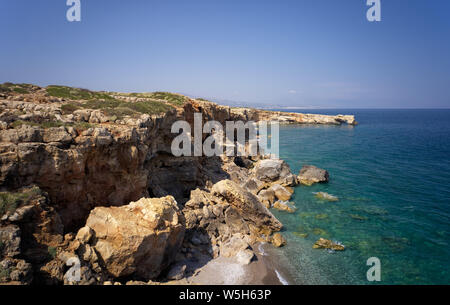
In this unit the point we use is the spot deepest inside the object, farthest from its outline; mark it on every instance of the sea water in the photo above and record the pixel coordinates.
(391, 174)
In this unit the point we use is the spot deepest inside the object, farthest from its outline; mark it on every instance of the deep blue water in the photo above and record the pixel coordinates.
(392, 176)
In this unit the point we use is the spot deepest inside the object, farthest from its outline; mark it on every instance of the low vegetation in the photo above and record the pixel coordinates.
(10, 201)
(79, 126)
(52, 252)
(18, 88)
(76, 93)
(120, 109)
(70, 108)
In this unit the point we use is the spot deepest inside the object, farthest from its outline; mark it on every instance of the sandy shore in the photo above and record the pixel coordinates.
(227, 271)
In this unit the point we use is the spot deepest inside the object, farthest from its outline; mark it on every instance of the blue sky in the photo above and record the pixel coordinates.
(300, 53)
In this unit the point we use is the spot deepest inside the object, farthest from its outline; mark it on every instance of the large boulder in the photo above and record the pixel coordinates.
(247, 204)
(273, 170)
(141, 238)
(309, 174)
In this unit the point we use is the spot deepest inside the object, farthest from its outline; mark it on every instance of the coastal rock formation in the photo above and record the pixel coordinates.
(141, 238)
(72, 160)
(323, 243)
(309, 174)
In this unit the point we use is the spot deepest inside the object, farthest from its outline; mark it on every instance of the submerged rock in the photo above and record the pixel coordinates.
(310, 174)
(358, 217)
(284, 206)
(141, 238)
(303, 235)
(326, 196)
(323, 243)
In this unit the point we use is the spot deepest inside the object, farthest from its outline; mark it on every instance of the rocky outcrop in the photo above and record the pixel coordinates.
(68, 163)
(141, 238)
(309, 174)
(274, 171)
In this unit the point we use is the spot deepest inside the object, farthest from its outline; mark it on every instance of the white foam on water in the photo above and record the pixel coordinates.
(280, 278)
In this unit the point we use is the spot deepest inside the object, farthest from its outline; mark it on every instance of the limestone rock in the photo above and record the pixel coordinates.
(278, 240)
(272, 170)
(248, 205)
(244, 257)
(141, 238)
(267, 197)
(234, 245)
(281, 193)
(84, 235)
(310, 174)
(9, 241)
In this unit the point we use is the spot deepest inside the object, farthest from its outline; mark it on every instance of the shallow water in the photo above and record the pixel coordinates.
(392, 176)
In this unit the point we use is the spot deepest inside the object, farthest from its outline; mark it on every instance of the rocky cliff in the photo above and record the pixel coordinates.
(90, 175)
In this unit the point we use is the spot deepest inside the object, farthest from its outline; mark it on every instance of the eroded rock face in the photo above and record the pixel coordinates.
(247, 204)
(309, 174)
(141, 238)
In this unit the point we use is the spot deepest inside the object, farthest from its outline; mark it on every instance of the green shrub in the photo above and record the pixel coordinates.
(81, 126)
(172, 98)
(44, 125)
(149, 107)
(9, 202)
(20, 90)
(4, 272)
(52, 252)
(69, 92)
(99, 104)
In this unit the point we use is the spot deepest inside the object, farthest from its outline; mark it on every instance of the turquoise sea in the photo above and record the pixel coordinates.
(392, 176)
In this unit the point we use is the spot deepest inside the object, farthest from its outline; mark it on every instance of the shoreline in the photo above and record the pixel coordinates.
(262, 270)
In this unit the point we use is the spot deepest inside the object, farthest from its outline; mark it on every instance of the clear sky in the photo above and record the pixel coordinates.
(299, 53)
